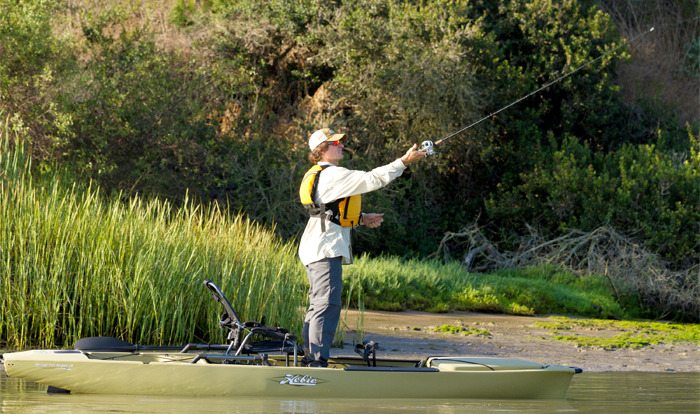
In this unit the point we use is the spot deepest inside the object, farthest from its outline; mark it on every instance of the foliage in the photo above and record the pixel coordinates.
(636, 187)
(141, 119)
(30, 60)
(213, 101)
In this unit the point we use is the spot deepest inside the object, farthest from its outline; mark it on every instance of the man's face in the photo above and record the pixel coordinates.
(334, 153)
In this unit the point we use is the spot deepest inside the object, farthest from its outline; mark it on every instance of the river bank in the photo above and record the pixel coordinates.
(413, 335)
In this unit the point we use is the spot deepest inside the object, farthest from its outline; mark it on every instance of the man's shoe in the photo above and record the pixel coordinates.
(318, 364)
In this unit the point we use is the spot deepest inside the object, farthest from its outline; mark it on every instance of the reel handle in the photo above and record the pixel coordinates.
(428, 147)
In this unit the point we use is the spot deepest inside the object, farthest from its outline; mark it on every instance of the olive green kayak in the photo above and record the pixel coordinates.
(213, 374)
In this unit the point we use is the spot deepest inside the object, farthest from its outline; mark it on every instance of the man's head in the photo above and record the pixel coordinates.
(326, 145)
(323, 135)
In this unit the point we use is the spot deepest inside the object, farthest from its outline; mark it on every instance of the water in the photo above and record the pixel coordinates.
(622, 393)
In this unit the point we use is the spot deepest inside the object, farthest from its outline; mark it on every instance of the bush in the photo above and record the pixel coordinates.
(141, 120)
(30, 73)
(636, 187)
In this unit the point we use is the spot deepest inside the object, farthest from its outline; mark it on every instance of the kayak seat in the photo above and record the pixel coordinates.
(104, 343)
(251, 337)
(259, 347)
(265, 339)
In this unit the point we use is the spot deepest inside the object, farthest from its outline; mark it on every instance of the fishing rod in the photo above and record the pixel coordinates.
(429, 146)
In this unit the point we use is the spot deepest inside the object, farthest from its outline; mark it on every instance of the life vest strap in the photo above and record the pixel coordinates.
(320, 212)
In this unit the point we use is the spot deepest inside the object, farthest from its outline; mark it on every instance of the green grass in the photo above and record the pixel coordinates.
(74, 263)
(632, 334)
(461, 330)
(394, 284)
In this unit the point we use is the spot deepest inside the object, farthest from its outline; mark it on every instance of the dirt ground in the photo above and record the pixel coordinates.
(412, 335)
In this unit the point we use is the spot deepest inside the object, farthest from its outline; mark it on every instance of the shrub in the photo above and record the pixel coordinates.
(636, 187)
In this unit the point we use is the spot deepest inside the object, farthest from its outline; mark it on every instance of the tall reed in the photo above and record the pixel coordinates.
(74, 263)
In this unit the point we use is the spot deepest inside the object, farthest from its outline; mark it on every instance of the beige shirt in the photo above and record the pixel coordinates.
(337, 182)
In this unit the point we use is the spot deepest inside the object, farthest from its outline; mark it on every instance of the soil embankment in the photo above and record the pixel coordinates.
(413, 335)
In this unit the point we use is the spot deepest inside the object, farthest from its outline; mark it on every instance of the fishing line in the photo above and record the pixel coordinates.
(429, 146)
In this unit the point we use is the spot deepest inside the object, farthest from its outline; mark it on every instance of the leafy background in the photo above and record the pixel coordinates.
(213, 101)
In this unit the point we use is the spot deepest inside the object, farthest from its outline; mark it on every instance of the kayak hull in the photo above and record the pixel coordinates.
(179, 374)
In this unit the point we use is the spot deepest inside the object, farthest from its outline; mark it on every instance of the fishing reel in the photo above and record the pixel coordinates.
(428, 147)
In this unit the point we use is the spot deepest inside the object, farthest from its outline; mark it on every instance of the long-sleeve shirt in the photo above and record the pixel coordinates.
(334, 183)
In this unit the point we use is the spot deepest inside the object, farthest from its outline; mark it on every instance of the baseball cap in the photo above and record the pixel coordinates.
(323, 135)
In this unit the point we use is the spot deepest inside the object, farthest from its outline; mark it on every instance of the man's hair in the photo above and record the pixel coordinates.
(317, 153)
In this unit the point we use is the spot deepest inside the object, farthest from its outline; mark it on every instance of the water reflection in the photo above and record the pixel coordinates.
(590, 393)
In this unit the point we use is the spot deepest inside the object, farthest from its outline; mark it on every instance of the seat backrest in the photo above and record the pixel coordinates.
(233, 322)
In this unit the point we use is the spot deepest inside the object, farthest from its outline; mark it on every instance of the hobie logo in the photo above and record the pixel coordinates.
(67, 367)
(298, 380)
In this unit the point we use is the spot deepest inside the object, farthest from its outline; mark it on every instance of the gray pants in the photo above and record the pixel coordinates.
(323, 315)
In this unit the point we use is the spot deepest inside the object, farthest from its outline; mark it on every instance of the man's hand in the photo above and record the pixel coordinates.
(372, 220)
(413, 155)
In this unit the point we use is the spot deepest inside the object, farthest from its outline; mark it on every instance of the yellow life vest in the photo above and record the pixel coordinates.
(345, 212)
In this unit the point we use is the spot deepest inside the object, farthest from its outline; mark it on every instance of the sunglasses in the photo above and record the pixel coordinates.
(335, 143)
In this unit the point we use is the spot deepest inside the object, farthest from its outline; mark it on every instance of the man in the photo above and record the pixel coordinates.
(332, 195)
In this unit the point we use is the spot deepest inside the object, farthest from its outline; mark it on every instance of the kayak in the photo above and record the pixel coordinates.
(185, 374)
(272, 367)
